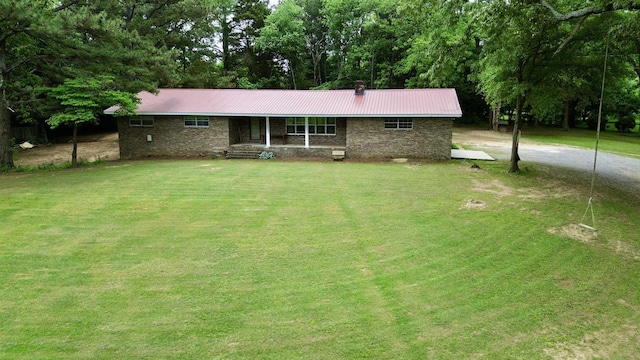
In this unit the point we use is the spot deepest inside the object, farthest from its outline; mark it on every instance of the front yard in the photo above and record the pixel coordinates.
(272, 259)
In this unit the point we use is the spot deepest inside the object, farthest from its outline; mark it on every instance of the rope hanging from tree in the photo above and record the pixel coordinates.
(595, 157)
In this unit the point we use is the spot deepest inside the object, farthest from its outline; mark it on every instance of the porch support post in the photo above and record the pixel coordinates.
(267, 130)
(306, 132)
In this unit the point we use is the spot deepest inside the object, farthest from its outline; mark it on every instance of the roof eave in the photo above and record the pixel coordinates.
(153, 113)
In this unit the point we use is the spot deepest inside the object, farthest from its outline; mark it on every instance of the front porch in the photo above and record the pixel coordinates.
(290, 133)
(253, 150)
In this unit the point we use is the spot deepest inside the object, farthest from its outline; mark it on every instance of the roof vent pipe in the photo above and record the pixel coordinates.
(359, 87)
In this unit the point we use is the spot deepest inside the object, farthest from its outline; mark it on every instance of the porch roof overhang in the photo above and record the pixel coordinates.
(427, 103)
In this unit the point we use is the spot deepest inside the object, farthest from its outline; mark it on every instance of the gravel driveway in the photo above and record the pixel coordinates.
(617, 171)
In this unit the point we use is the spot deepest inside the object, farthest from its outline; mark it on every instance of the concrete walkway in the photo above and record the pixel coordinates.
(470, 155)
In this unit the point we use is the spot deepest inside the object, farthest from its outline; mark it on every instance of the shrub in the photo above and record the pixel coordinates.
(625, 124)
(266, 155)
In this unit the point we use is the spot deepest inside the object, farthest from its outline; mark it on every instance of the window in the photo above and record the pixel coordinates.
(146, 121)
(317, 126)
(398, 123)
(196, 121)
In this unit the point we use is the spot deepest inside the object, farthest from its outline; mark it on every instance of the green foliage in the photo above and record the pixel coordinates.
(366, 40)
(442, 58)
(283, 35)
(43, 43)
(51, 166)
(267, 155)
(82, 99)
(592, 122)
(625, 124)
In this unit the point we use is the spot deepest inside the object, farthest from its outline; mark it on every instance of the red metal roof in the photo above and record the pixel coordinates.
(299, 103)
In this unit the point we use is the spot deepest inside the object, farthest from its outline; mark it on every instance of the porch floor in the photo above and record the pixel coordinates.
(295, 146)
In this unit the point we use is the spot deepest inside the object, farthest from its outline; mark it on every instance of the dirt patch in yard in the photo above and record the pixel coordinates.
(474, 204)
(90, 148)
(495, 187)
(575, 232)
(587, 236)
(619, 343)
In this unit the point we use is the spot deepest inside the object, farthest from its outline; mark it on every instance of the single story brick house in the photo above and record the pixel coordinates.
(412, 123)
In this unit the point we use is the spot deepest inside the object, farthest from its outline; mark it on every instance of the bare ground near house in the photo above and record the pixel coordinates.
(90, 148)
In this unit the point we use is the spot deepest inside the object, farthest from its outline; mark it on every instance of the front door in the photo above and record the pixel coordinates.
(255, 129)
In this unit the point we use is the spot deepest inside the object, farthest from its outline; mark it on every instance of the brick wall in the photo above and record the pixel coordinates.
(364, 138)
(430, 138)
(171, 138)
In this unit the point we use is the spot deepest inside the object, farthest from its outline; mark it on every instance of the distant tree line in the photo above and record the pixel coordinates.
(528, 60)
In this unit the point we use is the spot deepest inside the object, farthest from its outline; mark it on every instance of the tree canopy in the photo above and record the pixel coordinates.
(536, 61)
(81, 99)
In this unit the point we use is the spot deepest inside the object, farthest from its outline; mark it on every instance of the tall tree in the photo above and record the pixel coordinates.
(284, 35)
(82, 99)
(513, 56)
(20, 24)
(366, 41)
(254, 67)
(160, 38)
(315, 26)
(57, 40)
(445, 48)
(616, 23)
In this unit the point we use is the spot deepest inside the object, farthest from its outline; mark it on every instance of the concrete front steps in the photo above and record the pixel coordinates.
(243, 153)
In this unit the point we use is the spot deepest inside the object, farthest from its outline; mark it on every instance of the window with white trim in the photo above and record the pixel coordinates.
(196, 121)
(398, 123)
(317, 126)
(145, 121)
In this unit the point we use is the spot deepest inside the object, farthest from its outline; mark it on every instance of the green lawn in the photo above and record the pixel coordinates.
(610, 141)
(314, 260)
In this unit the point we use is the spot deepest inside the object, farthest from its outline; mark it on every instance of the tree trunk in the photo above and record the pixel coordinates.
(565, 119)
(572, 114)
(74, 152)
(226, 52)
(637, 68)
(516, 136)
(569, 120)
(373, 68)
(293, 76)
(6, 152)
(495, 116)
